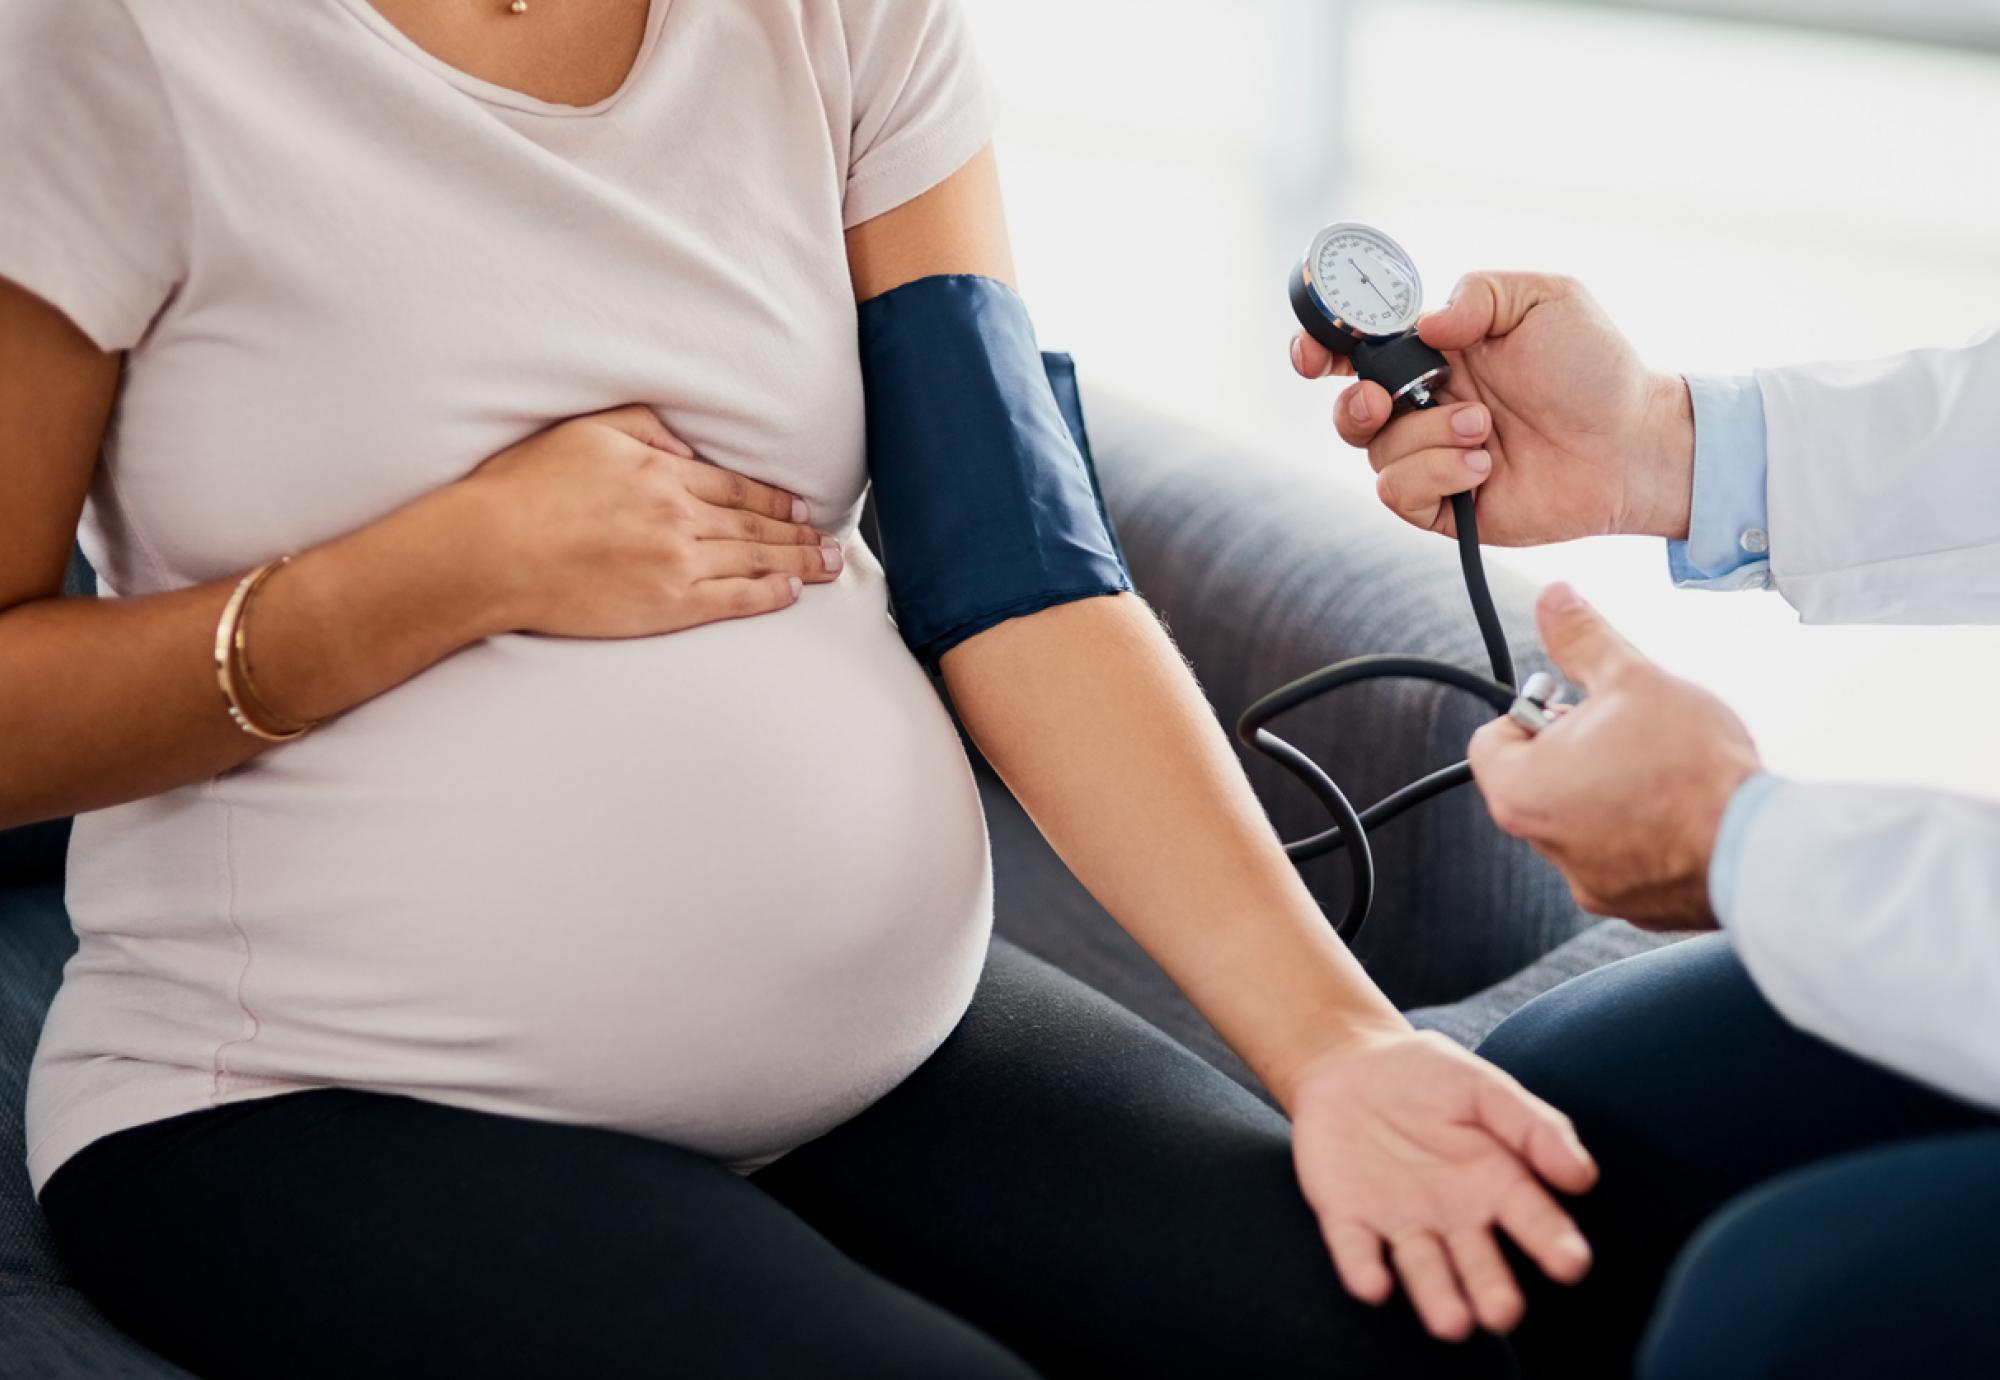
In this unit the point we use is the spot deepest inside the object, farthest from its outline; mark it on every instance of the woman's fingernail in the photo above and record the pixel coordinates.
(1357, 405)
(797, 585)
(829, 554)
(800, 512)
(1571, 1244)
(1469, 421)
(1478, 461)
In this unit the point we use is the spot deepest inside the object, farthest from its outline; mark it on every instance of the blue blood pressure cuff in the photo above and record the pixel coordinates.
(987, 506)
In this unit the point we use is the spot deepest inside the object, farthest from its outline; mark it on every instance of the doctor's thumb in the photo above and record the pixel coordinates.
(1585, 648)
(1484, 305)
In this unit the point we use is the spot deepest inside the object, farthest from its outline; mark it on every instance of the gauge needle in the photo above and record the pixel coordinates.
(1371, 284)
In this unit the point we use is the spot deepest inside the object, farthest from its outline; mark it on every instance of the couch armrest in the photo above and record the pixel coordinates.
(1264, 570)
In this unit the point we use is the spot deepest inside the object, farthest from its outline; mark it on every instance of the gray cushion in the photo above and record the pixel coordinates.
(1470, 1021)
(35, 940)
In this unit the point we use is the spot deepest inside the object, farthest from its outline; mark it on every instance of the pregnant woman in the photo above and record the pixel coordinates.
(568, 951)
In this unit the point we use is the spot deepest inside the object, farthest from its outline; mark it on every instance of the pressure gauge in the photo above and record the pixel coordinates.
(1357, 293)
(1364, 282)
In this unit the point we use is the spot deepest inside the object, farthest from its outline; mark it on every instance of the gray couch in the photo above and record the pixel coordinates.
(1263, 571)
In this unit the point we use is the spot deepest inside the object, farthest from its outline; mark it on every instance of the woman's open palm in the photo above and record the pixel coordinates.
(1415, 1145)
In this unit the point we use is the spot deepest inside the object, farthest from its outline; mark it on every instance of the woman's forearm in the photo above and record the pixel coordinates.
(103, 701)
(1094, 721)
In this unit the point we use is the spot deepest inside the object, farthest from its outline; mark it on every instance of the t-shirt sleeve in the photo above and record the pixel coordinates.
(921, 105)
(93, 208)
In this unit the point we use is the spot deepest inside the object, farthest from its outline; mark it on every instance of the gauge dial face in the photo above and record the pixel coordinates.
(1365, 279)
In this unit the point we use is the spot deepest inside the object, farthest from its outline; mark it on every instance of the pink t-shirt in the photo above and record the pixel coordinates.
(723, 887)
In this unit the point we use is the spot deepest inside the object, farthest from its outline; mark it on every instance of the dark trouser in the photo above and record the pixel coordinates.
(1770, 1206)
(1060, 1188)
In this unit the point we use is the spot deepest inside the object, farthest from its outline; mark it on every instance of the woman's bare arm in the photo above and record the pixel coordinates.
(106, 700)
(600, 527)
(1123, 766)
(1095, 722)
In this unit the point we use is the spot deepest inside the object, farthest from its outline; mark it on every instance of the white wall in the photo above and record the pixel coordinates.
(1736, 195)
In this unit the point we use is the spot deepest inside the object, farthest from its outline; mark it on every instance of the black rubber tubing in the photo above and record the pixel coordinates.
(1351, 826)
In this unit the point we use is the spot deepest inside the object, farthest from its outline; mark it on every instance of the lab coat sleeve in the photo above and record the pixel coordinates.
(1870, 916)
(1884, 486)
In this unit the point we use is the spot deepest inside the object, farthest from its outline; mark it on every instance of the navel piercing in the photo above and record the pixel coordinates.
(518, 7)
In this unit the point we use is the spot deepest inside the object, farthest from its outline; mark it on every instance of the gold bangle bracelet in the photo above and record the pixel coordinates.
(232, 668)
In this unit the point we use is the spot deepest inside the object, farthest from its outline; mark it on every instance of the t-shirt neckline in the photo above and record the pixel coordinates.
(492, 92)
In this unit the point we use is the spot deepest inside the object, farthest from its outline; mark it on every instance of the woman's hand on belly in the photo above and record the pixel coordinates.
(608, 526)
(605, 526)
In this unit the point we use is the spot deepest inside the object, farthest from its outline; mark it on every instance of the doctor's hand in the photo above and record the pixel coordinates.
(1409, 1146)
(1624, 793)
(1548, 412)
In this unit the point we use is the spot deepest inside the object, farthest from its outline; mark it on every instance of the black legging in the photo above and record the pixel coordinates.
(1060, 1190)
(1771, 1207)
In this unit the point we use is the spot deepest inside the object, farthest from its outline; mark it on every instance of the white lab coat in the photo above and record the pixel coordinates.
(1871, 916)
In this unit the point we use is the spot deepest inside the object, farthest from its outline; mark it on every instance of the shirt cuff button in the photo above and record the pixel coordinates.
(1756, 541)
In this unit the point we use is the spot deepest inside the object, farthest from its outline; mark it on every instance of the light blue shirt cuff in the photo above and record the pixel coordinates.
(1725, 862)
(1729, 525)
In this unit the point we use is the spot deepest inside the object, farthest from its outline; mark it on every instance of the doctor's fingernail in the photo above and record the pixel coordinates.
(1357, 404)
(1478, 461)
(1298, 358)
(829, 554)
(800, 512)
(1469, 421)
(1560, 598)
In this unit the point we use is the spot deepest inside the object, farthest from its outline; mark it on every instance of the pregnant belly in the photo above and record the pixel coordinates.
(723, 887)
